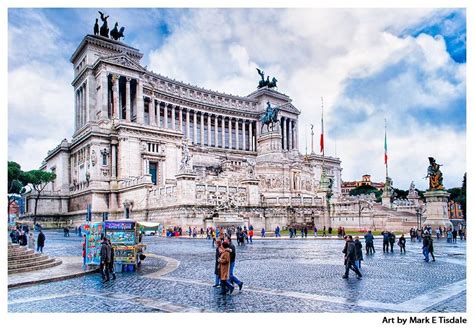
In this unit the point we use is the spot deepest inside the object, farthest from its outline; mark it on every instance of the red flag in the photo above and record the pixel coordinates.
(321, 142)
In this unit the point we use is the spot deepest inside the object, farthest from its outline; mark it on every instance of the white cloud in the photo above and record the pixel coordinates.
(312, 52)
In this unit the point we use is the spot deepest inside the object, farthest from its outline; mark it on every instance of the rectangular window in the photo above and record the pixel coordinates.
(153, 170)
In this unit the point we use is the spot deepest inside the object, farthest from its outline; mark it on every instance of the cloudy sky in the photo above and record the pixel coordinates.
(405, 66)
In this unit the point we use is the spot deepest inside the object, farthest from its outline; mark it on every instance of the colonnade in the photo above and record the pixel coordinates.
(289, 131)
(81, 105)
(203, 128)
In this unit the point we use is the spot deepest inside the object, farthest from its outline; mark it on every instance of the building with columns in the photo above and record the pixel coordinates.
(149, 147)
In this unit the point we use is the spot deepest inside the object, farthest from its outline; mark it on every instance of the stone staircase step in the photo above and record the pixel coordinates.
(35, 268)
(37, 257)
(22, 255)
(30, 264)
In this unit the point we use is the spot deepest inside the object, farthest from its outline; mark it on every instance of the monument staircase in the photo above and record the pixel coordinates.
(22, 259)
(397, 220)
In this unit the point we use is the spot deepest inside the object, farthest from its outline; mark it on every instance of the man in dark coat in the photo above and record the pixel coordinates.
(110, 264)
(40, 242)
(233, 279)
(105, 257)
(391, 240)
(425, 248)
(350, 257)
(386, 238)
(369, 243)
(359, 256)
(402, 243)
(430, 247)
(216, 266)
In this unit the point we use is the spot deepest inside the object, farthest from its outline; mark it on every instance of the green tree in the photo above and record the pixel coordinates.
(366, 190)
(462, 199)
(16, 181)
(39, 179)
(400, 194)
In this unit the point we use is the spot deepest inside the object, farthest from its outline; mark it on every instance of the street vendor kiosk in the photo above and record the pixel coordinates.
(123, 235)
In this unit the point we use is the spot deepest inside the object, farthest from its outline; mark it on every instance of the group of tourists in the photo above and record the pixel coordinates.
(225, 264)
(23, 236)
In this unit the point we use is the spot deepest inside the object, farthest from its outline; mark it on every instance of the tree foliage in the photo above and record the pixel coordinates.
(366, 190)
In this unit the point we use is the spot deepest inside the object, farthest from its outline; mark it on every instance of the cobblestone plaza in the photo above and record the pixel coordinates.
(279, 276)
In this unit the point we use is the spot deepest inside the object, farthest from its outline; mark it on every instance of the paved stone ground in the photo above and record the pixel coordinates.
(279, 276)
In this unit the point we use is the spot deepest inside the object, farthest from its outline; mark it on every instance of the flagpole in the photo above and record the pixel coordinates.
(322, 131)
(386, 157)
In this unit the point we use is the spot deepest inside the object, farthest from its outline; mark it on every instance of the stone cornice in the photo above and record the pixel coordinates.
(106, 43)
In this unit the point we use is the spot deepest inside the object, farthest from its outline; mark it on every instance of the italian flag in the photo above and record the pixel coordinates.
(385, 145)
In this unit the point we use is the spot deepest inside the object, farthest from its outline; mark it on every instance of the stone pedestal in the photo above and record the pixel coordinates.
(270, 142)
(186, 188)
(228, 218)
(386, 201)
(437, 209)
(253, 197)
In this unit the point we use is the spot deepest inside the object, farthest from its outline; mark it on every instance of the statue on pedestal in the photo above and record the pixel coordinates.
(269, 117)
(266, 83)
(185, 165)
(104, 29)
(435, 175)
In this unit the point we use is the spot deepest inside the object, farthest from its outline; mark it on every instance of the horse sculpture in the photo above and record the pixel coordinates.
(269, 117)
(116, 33)
(266, 83)
(104, 29)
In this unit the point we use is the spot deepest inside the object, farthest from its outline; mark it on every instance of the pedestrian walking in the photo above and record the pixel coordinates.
(315, 231)
(455, 236)
(430, 247)
(324, 231)
(350, 257)
(358, 249)
(386, 238)
(401, 243)
(277, 231)
(224, 269)
(391, 240)
(233, 279)
(31, 240)
(450, 236)
(111, 262)
(84, 251)
(425, 248)
(251, 236)
(216, 266)
(40, 242)
(104, 259)
(330, 231)
(263, 232)
(306, 232)
(23, 238)
(369, 243)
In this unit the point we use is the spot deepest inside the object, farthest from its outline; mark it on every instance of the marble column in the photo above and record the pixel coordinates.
(173, 121)
(115, 91)
(76, 96)
(140, 109)
(195, 128)
(251, 136)
(230, 132)
(237, 134)
(216, 132)
(296, 134)
(165, 116)
(208, 130)
(86, 103)
(127, 99)
(152, 111)
(187, 124)
(244, 141)
(202, 129)
(283, 120)
(180, 119)
(223, 131)
(114, 161)
(104, 86)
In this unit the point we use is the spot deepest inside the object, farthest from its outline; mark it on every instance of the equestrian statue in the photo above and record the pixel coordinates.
(269, 117)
